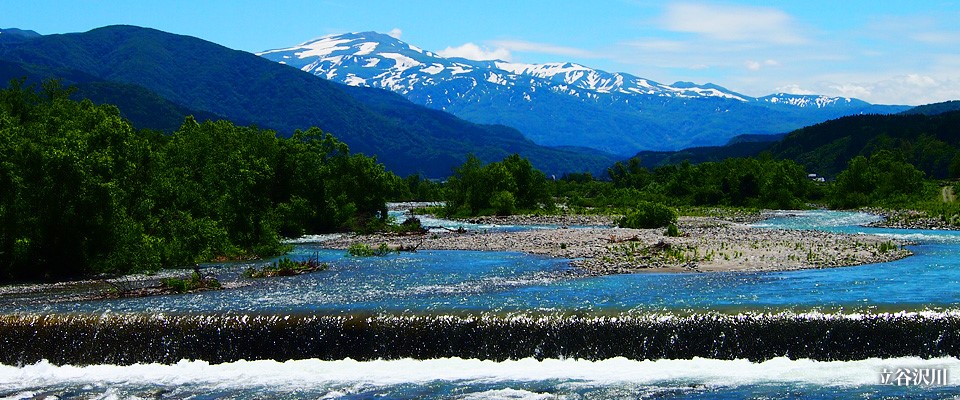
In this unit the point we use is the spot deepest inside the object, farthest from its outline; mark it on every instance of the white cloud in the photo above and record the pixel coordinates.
(909, 89)
(471, 51)
(919, 81)
(794, 88)
(395, 33)
(732, 23)
(543, 48)
(914, 89)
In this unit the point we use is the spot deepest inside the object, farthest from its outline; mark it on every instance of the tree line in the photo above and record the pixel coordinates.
(884, 179)
(83, 193)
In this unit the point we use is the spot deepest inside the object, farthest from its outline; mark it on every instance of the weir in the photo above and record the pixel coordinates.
(125, 339)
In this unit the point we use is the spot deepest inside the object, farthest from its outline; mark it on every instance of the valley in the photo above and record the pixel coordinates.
(357, 217)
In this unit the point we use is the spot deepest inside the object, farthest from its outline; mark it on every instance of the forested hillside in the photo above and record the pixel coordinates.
(205, 77)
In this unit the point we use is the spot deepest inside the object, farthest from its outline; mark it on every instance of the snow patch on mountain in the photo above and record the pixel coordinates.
(804, 101)
(433, 69)
(402, 62)
(366, 48)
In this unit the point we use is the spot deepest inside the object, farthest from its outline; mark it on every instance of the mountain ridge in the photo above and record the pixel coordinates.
(563, 103)
(240, 86)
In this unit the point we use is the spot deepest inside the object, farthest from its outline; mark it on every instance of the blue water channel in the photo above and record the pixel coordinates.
(473, 281)
(464, 282)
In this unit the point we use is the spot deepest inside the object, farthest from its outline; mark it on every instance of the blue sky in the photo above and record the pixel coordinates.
(889, 52)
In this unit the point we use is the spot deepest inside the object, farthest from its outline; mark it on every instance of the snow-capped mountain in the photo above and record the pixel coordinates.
(378, 60)
(561, 103)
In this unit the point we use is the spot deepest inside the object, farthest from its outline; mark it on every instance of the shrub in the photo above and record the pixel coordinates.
(286, 267)
(648, 215)
(410, 225)
(672, 230)
(365, 250)
(194, 283)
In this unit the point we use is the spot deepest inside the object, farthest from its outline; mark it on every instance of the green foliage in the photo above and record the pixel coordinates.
(672, 230)
(735, 182)
(286, 267)
(417, 188)
(192, 284)
(929, 142)
(884, 247)
(498, 188)
(503, 203)
(410, 225)
(884, 177)
(84, 193)
(365, 250)
(648, 215)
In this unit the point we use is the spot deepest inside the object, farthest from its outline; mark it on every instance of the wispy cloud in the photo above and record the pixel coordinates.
(732, 23)
(660, 45)
(757, 65)
(472, 51)
(395, 33)
(937, 38)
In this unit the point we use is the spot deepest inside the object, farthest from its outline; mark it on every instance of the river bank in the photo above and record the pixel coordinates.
(707, 244)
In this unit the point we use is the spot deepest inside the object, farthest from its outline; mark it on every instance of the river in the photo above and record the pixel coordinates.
(460, 324)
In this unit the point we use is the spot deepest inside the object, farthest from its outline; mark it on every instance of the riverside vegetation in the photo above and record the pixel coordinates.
(86, 194)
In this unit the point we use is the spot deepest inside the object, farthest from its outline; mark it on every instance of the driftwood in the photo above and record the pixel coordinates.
(459, 229)
(122, 289)
(412, 249)
(614, 239)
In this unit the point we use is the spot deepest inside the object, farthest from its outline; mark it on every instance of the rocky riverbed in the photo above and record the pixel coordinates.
(706, 244)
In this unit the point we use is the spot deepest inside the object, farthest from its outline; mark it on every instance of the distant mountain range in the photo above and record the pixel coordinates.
(926, 136)
(563, 103)
(147, 72)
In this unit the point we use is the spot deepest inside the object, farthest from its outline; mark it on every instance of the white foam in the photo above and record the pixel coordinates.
(947, 237)
(509, 394)
(316, 373)
(313, 238)
(819, 218)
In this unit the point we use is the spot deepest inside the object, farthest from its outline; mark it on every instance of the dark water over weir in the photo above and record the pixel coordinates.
(165, 338)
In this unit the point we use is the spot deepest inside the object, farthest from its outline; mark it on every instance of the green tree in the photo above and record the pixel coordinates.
(500, 187)
(647, 215)
(882, 177)
(69, 206)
